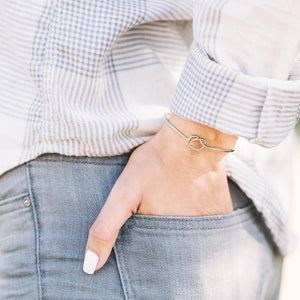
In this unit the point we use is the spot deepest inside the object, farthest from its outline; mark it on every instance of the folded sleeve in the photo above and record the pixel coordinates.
(237, 76)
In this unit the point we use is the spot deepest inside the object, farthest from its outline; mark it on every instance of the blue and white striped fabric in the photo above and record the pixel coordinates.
(94, 78)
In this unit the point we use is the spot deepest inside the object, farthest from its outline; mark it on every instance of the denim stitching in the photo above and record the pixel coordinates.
(217, 226)
(236, 213)
(5, 200)
(128, 280)
(17, 209)
(121, 273)
(37, 230)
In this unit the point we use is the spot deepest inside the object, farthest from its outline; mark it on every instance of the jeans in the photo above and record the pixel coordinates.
(48, 205)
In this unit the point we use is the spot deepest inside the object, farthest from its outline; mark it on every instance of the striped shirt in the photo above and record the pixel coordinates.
(94, 78)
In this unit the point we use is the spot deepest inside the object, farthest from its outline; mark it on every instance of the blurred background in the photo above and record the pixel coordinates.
(290, 288)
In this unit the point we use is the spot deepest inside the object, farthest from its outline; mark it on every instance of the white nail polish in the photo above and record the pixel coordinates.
(90, 262)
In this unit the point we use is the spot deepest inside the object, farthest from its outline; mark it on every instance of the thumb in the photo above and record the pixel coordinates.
(103, 233)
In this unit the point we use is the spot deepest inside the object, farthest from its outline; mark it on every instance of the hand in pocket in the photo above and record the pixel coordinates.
(158, 180)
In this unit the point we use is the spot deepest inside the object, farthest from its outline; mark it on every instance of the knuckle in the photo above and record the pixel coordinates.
(101, 232)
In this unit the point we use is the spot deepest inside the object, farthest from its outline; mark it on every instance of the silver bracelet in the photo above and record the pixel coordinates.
(193, 137)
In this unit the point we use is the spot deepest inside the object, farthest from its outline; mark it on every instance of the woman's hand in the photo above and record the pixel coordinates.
(164, 176)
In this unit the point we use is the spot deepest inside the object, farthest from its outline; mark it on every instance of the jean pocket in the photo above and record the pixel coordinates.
(205, 222)
(14, 203)
(175, 257)
(14, 190)
(18, 260)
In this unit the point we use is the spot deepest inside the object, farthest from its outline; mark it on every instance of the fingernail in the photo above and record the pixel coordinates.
(90, 262)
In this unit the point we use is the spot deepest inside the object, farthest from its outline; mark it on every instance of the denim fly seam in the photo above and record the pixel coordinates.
(121, 267)
(37, 230)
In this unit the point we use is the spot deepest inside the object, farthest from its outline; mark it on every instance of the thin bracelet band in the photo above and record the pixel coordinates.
(194, 137)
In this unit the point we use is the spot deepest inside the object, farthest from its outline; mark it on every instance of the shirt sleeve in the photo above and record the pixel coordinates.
(237, 76)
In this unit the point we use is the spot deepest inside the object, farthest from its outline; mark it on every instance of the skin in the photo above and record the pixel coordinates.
(164, 176)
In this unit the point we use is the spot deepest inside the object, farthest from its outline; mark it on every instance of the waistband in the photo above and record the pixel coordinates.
(113, 159)
(239, 198)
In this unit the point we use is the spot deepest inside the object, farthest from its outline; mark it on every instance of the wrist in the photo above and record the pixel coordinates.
(171, 145)
(213, 137)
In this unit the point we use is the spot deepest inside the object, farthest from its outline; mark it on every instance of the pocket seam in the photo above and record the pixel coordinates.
(197, 223)
(10, 199)
(229, 215)
(233, 225)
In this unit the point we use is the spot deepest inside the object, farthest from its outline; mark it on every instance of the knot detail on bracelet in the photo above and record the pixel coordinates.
(193, 138)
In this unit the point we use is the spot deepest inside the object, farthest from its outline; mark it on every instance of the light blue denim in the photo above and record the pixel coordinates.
(48, 205)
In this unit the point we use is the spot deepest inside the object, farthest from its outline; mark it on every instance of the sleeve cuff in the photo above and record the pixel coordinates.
(262, 110)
